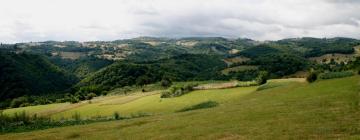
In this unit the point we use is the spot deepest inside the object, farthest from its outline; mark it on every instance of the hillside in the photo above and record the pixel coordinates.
(26, 74)
(101, 66)
(181, 68)
(290, 110)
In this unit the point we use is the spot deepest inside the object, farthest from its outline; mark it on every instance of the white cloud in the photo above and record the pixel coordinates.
(39, 20)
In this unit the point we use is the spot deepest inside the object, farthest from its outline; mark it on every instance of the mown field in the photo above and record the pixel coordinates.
(281, 109)
(148, 102)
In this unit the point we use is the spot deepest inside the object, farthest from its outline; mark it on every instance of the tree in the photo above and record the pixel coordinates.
(312, 77)
(17, 102)
(143, 80)
(165, 82)
(262, 78)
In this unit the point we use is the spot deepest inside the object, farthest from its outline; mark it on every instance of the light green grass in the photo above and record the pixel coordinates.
(279, 82)
(326, 109)
(39, 109)
(153, 104)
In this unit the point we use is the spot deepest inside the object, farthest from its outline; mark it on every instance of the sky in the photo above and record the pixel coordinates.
(91, 20)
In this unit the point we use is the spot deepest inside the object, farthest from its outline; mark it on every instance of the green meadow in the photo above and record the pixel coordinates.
(280, 109)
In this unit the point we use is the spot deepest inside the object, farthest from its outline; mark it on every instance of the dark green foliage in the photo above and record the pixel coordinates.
(259, 51)
(26, 74)
(210, 48)
(81, 67)
(165, 82)
(317, 47)
(280, 64)
(203, 105)
(331, 75)
(117, 116)
(312, 77)
(165, 94)
(181, 68)
(19, 102)
(123, 74)
(246, 75)
(355, 64)
(90, 96)
(262, 78)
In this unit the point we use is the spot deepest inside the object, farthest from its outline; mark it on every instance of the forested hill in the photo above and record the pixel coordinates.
(27, 74)
(181, 68)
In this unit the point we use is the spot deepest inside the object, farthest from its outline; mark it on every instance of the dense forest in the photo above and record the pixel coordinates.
(27, 74)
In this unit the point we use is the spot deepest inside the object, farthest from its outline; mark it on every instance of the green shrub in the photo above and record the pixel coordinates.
(116, 116)
(90, 96)
(203, 105)
(20, 101)
(262, 77)
(165, 82)
(312, 77)
(74, 99)
(178, 90)
(331, 75)
(165, 94)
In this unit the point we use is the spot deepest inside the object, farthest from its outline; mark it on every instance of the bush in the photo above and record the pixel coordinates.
(331, 75)
(165, 83)
(312, 77)
(262, 78)
(18, 102)
(90, 96)
(74, 99)
(203, 105)
(116, 116)
(178, 90)
(165, 94)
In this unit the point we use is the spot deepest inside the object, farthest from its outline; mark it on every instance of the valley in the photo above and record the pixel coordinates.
(187, 88)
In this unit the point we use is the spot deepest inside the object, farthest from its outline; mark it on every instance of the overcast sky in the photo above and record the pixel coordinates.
(84, 20)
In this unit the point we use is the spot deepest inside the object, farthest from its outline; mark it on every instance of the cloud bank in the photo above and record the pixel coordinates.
(84, 20)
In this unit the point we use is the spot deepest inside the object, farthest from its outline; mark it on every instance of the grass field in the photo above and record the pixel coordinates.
(149, 103)
(326, 109)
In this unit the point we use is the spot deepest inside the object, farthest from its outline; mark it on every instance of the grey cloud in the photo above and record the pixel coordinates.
(256, 19)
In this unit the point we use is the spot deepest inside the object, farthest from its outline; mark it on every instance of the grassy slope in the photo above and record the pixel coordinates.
(155, 105)
(322, 110)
